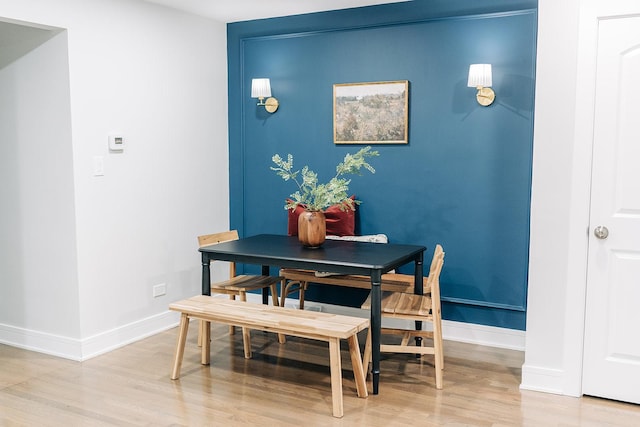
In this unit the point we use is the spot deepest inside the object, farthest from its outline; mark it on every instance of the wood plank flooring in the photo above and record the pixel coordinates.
(283, 385)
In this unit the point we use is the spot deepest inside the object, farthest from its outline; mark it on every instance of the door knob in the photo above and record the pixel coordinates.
(601, 232)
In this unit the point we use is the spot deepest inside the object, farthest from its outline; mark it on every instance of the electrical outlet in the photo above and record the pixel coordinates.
(159, 290)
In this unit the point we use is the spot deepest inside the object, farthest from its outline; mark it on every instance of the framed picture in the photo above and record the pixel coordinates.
(371, 113)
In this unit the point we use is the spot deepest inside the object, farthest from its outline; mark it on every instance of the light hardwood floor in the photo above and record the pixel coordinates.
(283, 385)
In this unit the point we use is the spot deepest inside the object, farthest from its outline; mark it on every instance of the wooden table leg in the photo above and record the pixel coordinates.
(418, 289)
(376, 326)
(206, 275)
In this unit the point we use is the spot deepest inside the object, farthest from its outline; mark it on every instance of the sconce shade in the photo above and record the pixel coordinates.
(480, 75)
(260, 88)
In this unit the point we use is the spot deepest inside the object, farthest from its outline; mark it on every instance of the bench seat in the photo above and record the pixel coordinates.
(306, 324)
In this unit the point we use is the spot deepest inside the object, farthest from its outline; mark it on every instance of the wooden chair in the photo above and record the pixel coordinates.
(425, 308)
(292, 286)
(300, 284)
(238, 285)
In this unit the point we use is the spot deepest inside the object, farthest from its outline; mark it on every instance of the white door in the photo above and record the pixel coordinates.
(612, 326)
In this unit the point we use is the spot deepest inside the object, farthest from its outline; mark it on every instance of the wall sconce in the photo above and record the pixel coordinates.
(261, 89)
(480, 78)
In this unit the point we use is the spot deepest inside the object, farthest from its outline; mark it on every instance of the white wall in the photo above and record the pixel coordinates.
(37, 218)
(158, 77)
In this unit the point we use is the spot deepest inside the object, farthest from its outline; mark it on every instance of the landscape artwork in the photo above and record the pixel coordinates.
(371, 113)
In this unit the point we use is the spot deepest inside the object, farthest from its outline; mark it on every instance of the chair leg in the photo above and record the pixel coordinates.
(438, 334)
(438, 351)
(284, 291)
(182, 338)
(283, 295)
(232, 329)
(274, 295)
(336, 377)
(303, 287)
(405, 338)
(438, 368)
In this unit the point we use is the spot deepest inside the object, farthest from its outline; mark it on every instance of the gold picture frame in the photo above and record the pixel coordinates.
(371, 113)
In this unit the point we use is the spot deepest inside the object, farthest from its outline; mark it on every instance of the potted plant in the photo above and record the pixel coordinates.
(317, 197)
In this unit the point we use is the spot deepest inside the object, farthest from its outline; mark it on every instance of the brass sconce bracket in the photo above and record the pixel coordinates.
(485, 96)
(271, 104)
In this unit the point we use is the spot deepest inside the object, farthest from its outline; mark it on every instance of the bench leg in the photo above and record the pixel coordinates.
(246, 340)
(206, 342)
(246, 333)
(336, 377)
(182, 338)
(358, 370)
(200, 328)
(366, 357)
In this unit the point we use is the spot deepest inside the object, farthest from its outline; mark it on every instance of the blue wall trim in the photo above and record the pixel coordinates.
(486, 304)
(464, 179)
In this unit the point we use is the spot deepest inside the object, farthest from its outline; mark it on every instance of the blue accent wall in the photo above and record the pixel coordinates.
(464, 178)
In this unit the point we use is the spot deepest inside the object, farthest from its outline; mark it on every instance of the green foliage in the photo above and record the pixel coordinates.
(320, 196)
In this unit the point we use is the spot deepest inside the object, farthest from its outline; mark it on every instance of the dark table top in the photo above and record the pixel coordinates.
(334, 256)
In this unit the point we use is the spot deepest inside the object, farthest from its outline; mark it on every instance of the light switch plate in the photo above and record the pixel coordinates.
(98, 166)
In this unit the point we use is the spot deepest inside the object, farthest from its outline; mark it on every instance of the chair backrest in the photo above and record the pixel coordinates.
(215, 238)
(433, 281)
(212, 239)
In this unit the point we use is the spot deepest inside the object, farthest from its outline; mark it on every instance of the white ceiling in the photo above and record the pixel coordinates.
(244, 10)
(17, 39)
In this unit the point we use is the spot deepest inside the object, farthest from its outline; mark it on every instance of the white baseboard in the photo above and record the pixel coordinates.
(490, 336)
(453, 331)
(547, 380)
(83, 349)
(55, 345)
(123, 335)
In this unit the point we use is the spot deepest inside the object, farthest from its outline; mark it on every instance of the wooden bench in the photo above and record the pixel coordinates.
(306, 324)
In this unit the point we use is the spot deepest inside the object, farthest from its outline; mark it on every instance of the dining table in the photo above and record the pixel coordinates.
(333, 256)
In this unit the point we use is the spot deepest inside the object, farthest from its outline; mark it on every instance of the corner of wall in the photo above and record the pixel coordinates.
(537, 378)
